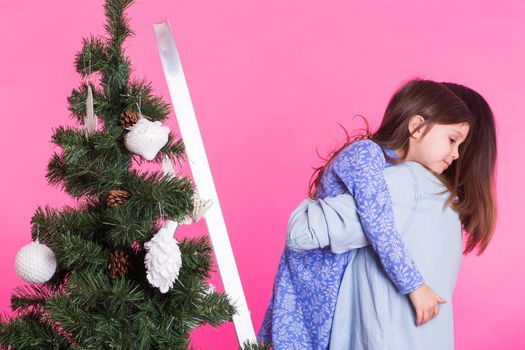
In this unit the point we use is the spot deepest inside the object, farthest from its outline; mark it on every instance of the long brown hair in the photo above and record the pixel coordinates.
(475, 175)
(443, 104)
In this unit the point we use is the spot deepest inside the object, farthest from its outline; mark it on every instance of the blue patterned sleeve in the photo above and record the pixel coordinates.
(360, 166)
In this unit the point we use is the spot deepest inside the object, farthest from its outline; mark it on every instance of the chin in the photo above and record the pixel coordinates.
(432, 169)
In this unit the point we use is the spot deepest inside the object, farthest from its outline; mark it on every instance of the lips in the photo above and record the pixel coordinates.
(446, 164)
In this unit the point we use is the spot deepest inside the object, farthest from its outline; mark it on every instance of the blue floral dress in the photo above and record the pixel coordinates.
(301, 309)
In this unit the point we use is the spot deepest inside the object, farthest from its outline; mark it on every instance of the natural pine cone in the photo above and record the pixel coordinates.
(118, 264)
(128, 118)
(117, 197)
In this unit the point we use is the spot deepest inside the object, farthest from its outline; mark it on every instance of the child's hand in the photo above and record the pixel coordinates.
(426, 303)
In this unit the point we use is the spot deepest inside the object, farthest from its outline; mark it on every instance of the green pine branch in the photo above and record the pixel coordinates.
(152, 194)
(30, 331)
(217, 308)
(92, 57)
(96, 309)
(141, 99)
(74, 252)
(153, 189)
(89, 165)
(197, 255)
(173, 149)
(30, 296)
(48, 224)
(117, 23)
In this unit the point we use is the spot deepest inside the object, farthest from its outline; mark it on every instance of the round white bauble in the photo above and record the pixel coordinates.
(35, 263)
(146, 138)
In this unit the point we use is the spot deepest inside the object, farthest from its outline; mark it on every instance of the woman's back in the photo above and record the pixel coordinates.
(370, 313)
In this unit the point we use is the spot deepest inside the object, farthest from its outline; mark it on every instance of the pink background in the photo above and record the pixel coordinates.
(269, 79)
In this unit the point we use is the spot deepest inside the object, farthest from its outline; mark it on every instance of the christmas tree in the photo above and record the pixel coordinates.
(108, 273)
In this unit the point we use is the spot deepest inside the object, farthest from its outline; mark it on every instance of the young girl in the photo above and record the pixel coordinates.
(424, 122)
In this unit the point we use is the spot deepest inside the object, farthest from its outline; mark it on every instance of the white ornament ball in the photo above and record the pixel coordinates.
(163, 258)
(35, 263)
(146, 138)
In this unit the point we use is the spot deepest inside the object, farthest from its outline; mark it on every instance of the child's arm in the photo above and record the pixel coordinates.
(360, 167)
(331, 221)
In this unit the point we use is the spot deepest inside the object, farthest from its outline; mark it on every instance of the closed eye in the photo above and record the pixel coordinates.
(452, 140)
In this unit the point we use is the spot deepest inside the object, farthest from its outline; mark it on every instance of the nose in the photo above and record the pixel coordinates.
(455, 153)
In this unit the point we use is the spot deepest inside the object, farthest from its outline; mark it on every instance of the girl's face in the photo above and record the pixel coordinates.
(439, 147)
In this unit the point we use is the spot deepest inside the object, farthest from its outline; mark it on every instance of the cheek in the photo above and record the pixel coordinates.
(436, 152)
(431, 150)
(440, 146)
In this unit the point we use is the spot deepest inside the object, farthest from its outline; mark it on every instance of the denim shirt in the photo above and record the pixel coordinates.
(369, 312)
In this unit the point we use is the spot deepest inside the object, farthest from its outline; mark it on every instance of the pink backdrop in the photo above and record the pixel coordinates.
(269, 79)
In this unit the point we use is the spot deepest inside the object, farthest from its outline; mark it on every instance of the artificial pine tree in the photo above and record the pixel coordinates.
(100, 296)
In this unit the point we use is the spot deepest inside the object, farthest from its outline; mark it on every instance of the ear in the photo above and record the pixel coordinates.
(414, 123)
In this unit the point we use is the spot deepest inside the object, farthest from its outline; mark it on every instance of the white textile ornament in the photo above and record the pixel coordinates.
(35, 263)
(200, 207)
(210, 288)
(146, 138)
(163, 258)
(90, 120)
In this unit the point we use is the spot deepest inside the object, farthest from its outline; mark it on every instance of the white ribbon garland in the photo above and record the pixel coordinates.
(203, 179)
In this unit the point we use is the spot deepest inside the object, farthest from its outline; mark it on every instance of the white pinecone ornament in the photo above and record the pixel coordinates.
(163, 258)
(146, 138)
(35, 263)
